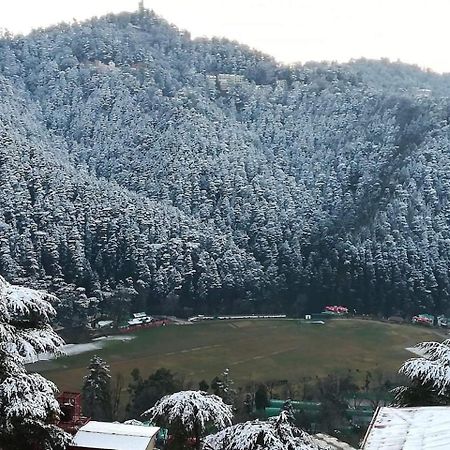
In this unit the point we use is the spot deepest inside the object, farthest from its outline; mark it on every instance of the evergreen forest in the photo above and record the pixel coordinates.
(142, 169)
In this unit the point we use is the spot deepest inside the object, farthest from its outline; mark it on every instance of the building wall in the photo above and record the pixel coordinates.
(150, 446)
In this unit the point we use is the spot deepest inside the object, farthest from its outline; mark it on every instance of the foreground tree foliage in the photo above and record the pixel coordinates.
(188, 414)
(28, 407)
(429, 377)
(277, 433)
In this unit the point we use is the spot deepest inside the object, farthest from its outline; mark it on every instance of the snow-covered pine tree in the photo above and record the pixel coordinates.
(277, 433)
(225, 387)
(289, 409)
(96, 391)
(429, 376)
(28, 407)
(187, 414)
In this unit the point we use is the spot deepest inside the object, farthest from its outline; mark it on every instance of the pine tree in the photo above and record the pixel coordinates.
(96, 391)
(261, 397)
(187, 414)
(225, 387)
(28, 408)
(277, 433)
(429, 377)
(289, 409)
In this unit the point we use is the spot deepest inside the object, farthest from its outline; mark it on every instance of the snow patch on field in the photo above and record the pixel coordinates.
(76, 349)
(416, 351)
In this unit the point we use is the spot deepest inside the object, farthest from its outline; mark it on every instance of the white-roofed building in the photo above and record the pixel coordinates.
(421, 428)
(114, 436)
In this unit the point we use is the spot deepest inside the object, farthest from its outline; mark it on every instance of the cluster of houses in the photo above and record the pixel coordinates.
(420, 319)
(390, 428)
(137, 321)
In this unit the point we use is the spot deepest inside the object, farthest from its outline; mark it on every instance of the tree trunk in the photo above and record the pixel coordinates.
(197, 436)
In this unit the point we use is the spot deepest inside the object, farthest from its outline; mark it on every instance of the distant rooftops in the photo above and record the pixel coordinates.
(419, 428)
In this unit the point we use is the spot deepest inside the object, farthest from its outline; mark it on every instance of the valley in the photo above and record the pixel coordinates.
(254, 351)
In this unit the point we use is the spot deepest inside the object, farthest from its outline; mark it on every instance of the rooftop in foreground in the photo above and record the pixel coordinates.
(114, 436)
(418, 428)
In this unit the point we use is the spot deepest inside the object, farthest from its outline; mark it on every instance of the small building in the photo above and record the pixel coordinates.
(140, 318)
(114, 436)
(105, 324)
(423, 319)
(71, 419)
(139, 315)
(426, 427)
(336, 309)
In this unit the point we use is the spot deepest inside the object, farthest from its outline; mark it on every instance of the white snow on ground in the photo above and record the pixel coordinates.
(121, 338)
(416, 351)
(76, 349)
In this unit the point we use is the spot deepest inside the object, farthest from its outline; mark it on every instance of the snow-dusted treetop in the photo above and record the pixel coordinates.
(134, 422)
(191, 410)
(277, 433)
(433, 367)
(24, 321)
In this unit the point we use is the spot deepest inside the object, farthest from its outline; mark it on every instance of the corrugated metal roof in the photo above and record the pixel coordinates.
(331, 442)
(114, 436)
(422, 428)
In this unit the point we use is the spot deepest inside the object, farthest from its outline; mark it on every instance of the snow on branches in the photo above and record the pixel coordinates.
(277, 433)
(24, 322)
(28, 395)
(27, 400)
(429, 377)
(193, 410)
(433, 367)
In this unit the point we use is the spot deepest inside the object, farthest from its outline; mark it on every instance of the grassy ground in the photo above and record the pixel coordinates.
(258, 350)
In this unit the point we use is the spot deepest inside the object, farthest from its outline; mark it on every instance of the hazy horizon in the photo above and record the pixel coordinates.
(292, 31)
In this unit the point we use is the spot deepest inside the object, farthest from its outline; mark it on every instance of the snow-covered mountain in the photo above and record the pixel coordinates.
(143, 169)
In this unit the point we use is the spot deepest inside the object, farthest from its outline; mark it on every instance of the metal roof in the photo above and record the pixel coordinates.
(114, 436)
(331, 442)
(421, 428)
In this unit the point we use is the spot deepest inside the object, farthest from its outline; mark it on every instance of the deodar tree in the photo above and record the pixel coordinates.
(28, 407)
(96, 390)
(429, 376)
(187, 414)
(277, 433)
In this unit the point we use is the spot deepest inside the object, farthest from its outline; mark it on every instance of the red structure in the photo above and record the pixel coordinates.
(154, 324)
(71, 417)
(337, 309)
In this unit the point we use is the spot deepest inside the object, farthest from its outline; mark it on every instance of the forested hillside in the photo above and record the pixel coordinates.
(143, 169)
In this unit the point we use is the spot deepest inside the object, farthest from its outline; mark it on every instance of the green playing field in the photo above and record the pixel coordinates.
(253, 350)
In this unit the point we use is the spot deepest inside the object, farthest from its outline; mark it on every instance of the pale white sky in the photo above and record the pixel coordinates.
(414, 31)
